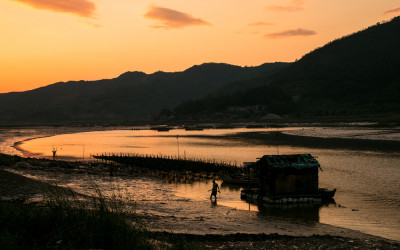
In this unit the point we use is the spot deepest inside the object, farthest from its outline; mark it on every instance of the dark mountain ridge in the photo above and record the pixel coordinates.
(360, 71)
(131, 96)
(354, 75)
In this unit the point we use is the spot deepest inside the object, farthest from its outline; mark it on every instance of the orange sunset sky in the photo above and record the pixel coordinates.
(47, 41)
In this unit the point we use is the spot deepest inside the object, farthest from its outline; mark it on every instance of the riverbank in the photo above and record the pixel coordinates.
(176, 206)
(206, 230)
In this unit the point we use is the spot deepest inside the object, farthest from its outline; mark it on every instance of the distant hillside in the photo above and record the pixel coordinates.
(131, 96)
(355, 75)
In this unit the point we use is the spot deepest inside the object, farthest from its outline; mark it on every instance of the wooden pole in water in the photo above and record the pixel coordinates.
(177, 141)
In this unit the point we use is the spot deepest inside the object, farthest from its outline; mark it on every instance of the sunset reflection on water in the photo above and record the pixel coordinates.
(208, 144)
(369, 208)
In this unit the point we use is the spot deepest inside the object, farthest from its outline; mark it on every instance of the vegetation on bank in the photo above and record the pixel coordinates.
(11, 160)
(65, 222)
(8, 160)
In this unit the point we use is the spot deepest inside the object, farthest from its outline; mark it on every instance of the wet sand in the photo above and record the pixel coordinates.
(16, 187)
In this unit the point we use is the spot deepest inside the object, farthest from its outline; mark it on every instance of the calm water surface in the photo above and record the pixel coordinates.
(367, 182)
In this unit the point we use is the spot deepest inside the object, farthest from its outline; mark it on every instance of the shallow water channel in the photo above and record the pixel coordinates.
(367, 182)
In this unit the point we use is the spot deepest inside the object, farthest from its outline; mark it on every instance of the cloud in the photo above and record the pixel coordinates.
(83, 8)
(291, 33)
(171, 18)
(93, 24)
(295, 5)
(260, 24)
(393, 11)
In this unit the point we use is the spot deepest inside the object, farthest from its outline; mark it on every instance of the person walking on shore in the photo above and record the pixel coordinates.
(214, 190)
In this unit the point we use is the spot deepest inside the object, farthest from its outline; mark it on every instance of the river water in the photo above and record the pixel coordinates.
(367, 182)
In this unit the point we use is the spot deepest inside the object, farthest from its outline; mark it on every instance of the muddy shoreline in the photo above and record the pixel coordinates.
(20, 189)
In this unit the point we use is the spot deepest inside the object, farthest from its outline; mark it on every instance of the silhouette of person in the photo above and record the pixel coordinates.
(214, 190)
(54, 153)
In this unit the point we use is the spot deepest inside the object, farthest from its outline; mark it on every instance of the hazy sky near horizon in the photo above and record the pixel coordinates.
(47, 41)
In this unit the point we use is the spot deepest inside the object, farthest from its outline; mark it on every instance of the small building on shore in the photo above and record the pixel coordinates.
(288, 175)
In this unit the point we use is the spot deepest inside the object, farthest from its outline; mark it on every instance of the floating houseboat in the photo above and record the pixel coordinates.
(288, 179)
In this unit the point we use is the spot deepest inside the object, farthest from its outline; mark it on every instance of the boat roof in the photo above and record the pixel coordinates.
(297, 161)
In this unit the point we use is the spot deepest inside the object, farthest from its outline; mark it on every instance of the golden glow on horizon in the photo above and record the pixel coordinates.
(44, 42)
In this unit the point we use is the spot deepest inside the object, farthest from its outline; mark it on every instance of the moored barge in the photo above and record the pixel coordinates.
(285, 179)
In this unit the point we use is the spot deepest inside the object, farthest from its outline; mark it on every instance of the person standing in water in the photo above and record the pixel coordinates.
(214, 190)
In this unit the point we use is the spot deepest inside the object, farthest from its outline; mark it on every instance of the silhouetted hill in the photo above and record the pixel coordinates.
(358, 74)
(131, 96)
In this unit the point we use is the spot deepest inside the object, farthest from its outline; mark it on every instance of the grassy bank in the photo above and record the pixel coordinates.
(8, 160)
(63, 221)
(64, 225)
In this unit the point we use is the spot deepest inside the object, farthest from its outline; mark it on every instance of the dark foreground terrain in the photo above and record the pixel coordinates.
(64, 223)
